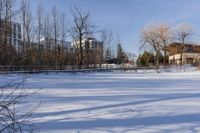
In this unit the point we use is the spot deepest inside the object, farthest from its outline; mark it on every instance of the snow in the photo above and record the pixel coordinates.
(121, 102)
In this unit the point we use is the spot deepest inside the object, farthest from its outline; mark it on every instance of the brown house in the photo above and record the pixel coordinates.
(190, 53)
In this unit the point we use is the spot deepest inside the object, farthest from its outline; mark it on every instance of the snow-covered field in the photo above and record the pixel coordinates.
(116, 102)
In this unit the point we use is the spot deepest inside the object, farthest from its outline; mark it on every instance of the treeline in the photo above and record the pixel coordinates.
(156, 37)
(56, 28)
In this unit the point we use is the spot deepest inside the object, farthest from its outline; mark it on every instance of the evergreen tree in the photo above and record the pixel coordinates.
(121, 55)
(146, 59)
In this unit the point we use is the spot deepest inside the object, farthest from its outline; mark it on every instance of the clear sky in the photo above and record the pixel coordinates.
(127, 17)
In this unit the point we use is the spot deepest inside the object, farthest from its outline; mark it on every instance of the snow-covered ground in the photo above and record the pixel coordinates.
(116, 102)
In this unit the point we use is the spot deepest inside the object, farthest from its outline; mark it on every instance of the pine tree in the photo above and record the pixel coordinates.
(146, 59)
(121, 55)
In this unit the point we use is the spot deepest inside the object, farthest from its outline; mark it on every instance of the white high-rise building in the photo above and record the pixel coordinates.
(17, 36)
(90, 42)
(14, 33)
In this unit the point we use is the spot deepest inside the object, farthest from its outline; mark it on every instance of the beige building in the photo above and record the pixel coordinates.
(190, 54)
(187, 58)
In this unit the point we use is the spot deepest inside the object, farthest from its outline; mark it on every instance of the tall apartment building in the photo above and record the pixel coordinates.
(13, 32)
(17, 36)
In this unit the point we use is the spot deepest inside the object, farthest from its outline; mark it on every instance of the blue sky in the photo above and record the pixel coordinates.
(126, 18)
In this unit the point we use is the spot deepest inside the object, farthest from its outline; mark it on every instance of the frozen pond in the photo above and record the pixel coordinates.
(116, 102)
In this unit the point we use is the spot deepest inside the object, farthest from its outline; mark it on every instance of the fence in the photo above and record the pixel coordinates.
(39, 69)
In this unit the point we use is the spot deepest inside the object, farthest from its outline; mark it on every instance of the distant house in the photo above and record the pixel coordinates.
(190, 53)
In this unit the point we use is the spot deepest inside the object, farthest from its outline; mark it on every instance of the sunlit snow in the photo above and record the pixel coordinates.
(121, 102)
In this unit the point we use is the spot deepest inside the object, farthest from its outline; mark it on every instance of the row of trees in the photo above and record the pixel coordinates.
(156, 37)
(54, 26)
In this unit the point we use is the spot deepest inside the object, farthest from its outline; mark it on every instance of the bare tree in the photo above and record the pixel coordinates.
(56, 32)
(165, 35)
(26, 16)
(64, 34)
(99, 56)
(108, 40)
(132, 57)
(13, 119)
(64, 28)
(1, 9)
(40, 21)
(39, 30)
(9, 4)
(7, 13)
(81, 28)
(150, 38)
(182, 33)
(47, 33)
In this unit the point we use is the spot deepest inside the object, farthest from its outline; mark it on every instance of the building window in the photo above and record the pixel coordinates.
(19, 28)
(19, 36)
